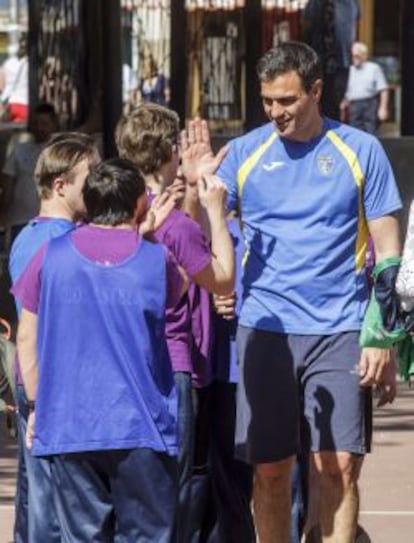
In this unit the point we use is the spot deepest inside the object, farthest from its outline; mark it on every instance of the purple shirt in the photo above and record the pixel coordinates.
(187, 242)
(108, 246)
(202, 335)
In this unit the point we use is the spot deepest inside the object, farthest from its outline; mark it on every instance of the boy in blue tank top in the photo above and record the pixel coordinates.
(59, 174)
(104, 406)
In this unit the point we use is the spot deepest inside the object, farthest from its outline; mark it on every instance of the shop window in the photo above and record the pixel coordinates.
(215, 57)
(146, 29)
(59, 72)
(281, 21)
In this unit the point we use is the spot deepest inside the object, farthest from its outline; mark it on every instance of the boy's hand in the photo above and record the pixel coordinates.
(197, 158)
(212, 193)
(372, 365)
(156, 215)
(177, 189)
(225, 306)
(386, 389)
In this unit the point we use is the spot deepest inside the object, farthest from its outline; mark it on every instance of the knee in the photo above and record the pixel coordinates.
(342, 467)
(274, 472)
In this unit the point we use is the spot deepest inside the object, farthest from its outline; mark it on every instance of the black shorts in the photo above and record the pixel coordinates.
(295, 385)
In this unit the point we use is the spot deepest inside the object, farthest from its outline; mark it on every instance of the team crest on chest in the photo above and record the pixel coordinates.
(325, 164)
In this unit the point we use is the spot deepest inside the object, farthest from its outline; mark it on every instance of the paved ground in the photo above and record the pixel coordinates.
(387, 495)
(387, 486)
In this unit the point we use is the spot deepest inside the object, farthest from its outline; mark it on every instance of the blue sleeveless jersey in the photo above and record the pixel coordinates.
(105, 379)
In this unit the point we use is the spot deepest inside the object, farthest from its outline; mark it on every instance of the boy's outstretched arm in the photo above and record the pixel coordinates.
(218, 276)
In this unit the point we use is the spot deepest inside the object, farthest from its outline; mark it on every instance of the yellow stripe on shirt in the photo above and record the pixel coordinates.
(249, 163)
(359, 178)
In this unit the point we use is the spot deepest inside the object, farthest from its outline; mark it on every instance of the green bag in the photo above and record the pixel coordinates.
(373, 333)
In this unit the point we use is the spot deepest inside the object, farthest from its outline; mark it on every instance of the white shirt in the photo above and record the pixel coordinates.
(20, 86)
(366, 81)
(10, 69)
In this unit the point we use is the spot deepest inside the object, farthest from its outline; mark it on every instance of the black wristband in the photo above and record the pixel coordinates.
(31, 405)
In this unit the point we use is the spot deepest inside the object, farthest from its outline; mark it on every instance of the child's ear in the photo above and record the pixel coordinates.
(58, 185)
(141, 208)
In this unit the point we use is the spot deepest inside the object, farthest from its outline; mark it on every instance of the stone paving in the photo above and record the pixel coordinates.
(387, 483)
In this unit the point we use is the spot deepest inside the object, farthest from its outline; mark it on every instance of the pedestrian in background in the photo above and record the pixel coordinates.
(367, 93)
(18, 98)
(20, 199)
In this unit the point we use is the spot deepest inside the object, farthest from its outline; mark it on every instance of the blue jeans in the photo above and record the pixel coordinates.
(123, 496)
(194, 481)
(34, 492)
(363, 114)
(21, 522)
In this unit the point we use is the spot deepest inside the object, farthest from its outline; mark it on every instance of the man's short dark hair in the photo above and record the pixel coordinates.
(111, 192)
(288, 57)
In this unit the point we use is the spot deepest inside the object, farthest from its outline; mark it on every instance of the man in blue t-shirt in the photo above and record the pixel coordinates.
(60, 173)
(310, 190)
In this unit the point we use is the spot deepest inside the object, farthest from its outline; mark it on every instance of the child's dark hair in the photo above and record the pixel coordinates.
(111, 192)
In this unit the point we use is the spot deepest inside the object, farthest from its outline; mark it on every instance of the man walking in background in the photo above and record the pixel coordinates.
(367, 93)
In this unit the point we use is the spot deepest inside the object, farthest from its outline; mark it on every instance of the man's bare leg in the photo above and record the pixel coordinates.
(313, 501)
(339, 497)
(272, 501)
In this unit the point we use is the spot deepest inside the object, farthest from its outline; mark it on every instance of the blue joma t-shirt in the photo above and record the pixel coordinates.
(304, 208)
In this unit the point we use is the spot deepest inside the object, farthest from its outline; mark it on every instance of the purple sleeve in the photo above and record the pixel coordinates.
(189, 245)
(27, 288)
(174, 281)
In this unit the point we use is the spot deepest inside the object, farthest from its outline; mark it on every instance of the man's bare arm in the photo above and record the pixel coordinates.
(385, 233)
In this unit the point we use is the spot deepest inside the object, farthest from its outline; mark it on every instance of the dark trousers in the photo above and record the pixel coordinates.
(363, 114)
(115, 495)
(183, 382)
(231, 479)
(200, 511)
